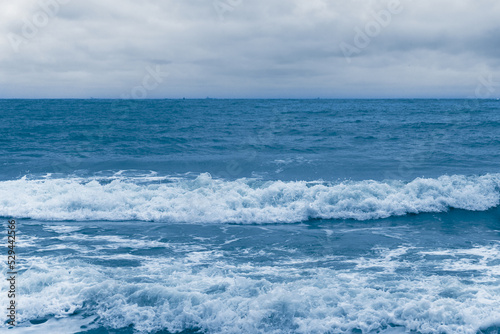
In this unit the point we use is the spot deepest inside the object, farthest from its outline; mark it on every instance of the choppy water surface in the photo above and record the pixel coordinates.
(254, 216)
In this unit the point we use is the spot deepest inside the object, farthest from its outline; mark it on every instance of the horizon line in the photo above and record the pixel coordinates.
(249, 98)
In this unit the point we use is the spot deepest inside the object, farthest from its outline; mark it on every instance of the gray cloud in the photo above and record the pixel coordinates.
(248, 48)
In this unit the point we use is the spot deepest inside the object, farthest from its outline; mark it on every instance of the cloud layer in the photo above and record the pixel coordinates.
(249, 48)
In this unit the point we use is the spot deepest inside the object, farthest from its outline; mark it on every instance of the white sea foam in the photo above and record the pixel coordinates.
(208, 200)
(177, 294)
(62, 229)
(386, 262)
(59, 326)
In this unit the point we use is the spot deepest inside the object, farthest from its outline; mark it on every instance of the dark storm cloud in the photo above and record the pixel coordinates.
(243, 48)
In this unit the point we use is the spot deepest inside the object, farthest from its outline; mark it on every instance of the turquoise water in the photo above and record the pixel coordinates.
(254, 216)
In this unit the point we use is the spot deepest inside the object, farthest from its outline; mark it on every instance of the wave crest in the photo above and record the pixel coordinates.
(208, 200)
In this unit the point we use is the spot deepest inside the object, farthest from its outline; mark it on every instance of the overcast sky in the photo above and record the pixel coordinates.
(249, 48)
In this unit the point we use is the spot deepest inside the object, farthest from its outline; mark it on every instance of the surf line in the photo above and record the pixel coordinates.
(11, 273)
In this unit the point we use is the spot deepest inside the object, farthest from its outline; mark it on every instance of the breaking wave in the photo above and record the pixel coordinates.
(243, 201)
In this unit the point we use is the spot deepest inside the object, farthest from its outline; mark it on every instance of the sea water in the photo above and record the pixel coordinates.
(252, 216)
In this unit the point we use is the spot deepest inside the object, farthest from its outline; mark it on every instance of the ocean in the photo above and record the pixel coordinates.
(252, 216)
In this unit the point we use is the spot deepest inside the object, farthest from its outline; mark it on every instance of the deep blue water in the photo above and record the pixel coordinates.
(254, 216)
